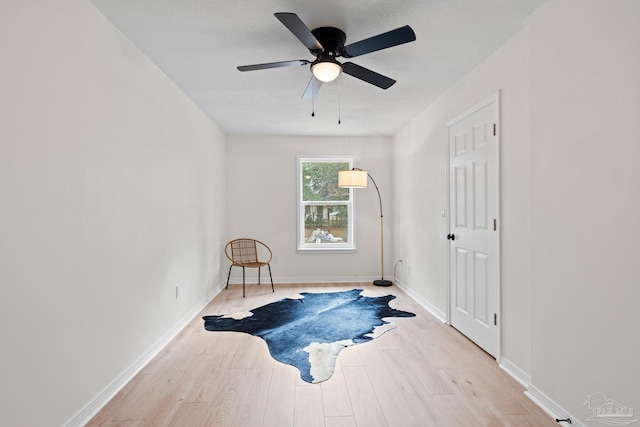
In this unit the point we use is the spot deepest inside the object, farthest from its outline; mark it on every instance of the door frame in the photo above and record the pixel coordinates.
(495, 97)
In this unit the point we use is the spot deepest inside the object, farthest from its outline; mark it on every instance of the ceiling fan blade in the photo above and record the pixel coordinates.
(381, 41)
(273, 65)
(367, 75)
(312, 88)
(299, 29)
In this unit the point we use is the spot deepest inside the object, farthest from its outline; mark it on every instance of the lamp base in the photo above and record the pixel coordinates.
(382, 282)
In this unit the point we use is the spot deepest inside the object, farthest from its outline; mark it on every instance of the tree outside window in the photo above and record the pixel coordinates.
(326, 211)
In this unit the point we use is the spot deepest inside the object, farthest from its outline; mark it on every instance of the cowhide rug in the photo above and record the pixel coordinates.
(309, 332)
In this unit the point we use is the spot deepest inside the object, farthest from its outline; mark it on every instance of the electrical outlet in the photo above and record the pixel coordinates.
(178, 291)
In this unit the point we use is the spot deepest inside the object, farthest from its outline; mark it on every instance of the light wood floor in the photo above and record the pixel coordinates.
(423, 373)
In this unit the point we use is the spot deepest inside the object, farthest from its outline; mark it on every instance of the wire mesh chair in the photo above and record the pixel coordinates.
(245, 253)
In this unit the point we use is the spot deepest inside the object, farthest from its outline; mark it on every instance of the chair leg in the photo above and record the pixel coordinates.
(271, 277)
(242, 282)
(229, 275)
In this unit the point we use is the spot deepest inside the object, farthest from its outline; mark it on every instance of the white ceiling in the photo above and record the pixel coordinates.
(199, 43)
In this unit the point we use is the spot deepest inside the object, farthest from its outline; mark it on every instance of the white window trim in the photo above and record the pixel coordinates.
(304, 247)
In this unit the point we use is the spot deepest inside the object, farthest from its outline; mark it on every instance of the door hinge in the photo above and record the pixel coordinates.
(495, 224)
(494, 129)
(495, 319)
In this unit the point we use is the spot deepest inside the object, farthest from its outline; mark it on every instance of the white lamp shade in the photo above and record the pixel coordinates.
(326, 71)
(352, 179)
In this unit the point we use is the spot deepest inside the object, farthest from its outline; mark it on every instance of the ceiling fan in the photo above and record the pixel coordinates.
(327, 44)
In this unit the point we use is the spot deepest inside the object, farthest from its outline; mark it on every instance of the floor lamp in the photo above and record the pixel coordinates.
(357, 178)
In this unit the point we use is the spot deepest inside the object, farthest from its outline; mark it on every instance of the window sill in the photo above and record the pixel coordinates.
(326, 250)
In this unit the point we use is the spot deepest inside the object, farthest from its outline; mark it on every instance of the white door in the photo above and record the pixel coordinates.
(474, 282)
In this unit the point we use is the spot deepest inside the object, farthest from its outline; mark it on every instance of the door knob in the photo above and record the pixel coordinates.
(451, 237)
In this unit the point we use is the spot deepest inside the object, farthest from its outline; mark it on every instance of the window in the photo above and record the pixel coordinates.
(325, 211)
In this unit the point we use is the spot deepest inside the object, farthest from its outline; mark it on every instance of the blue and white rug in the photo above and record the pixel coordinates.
(309, 332)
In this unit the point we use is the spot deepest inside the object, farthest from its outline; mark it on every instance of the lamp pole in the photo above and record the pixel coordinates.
(382, 281)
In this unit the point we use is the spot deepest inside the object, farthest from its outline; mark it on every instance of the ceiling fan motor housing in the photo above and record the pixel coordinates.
(332, 40)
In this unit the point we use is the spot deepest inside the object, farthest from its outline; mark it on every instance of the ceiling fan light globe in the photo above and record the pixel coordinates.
(326, 71)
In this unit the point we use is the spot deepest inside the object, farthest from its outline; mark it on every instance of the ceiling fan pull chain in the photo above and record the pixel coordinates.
(339, 90)
(313, 103)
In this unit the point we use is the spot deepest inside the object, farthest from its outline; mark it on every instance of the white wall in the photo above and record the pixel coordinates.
(585, 199)
(112, 187)
(262, 203)
(570, 102)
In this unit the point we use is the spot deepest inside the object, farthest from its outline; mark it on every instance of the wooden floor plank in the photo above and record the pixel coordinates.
(335, 396)
(383, 380)
(194, 414)
(350, 357)
(279, 410)
(456, 411)
(365, 404)
(340, 422)
(475, 400)
(249, 405)
(308, 406)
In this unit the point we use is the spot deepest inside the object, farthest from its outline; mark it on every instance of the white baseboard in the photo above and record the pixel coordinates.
(545, 403)
(551, 407)
(307, 279)
(423, 302)
(515, 372)
(93, 407)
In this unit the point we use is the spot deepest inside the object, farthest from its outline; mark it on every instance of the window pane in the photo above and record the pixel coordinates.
(326, 224)
(320, 181)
